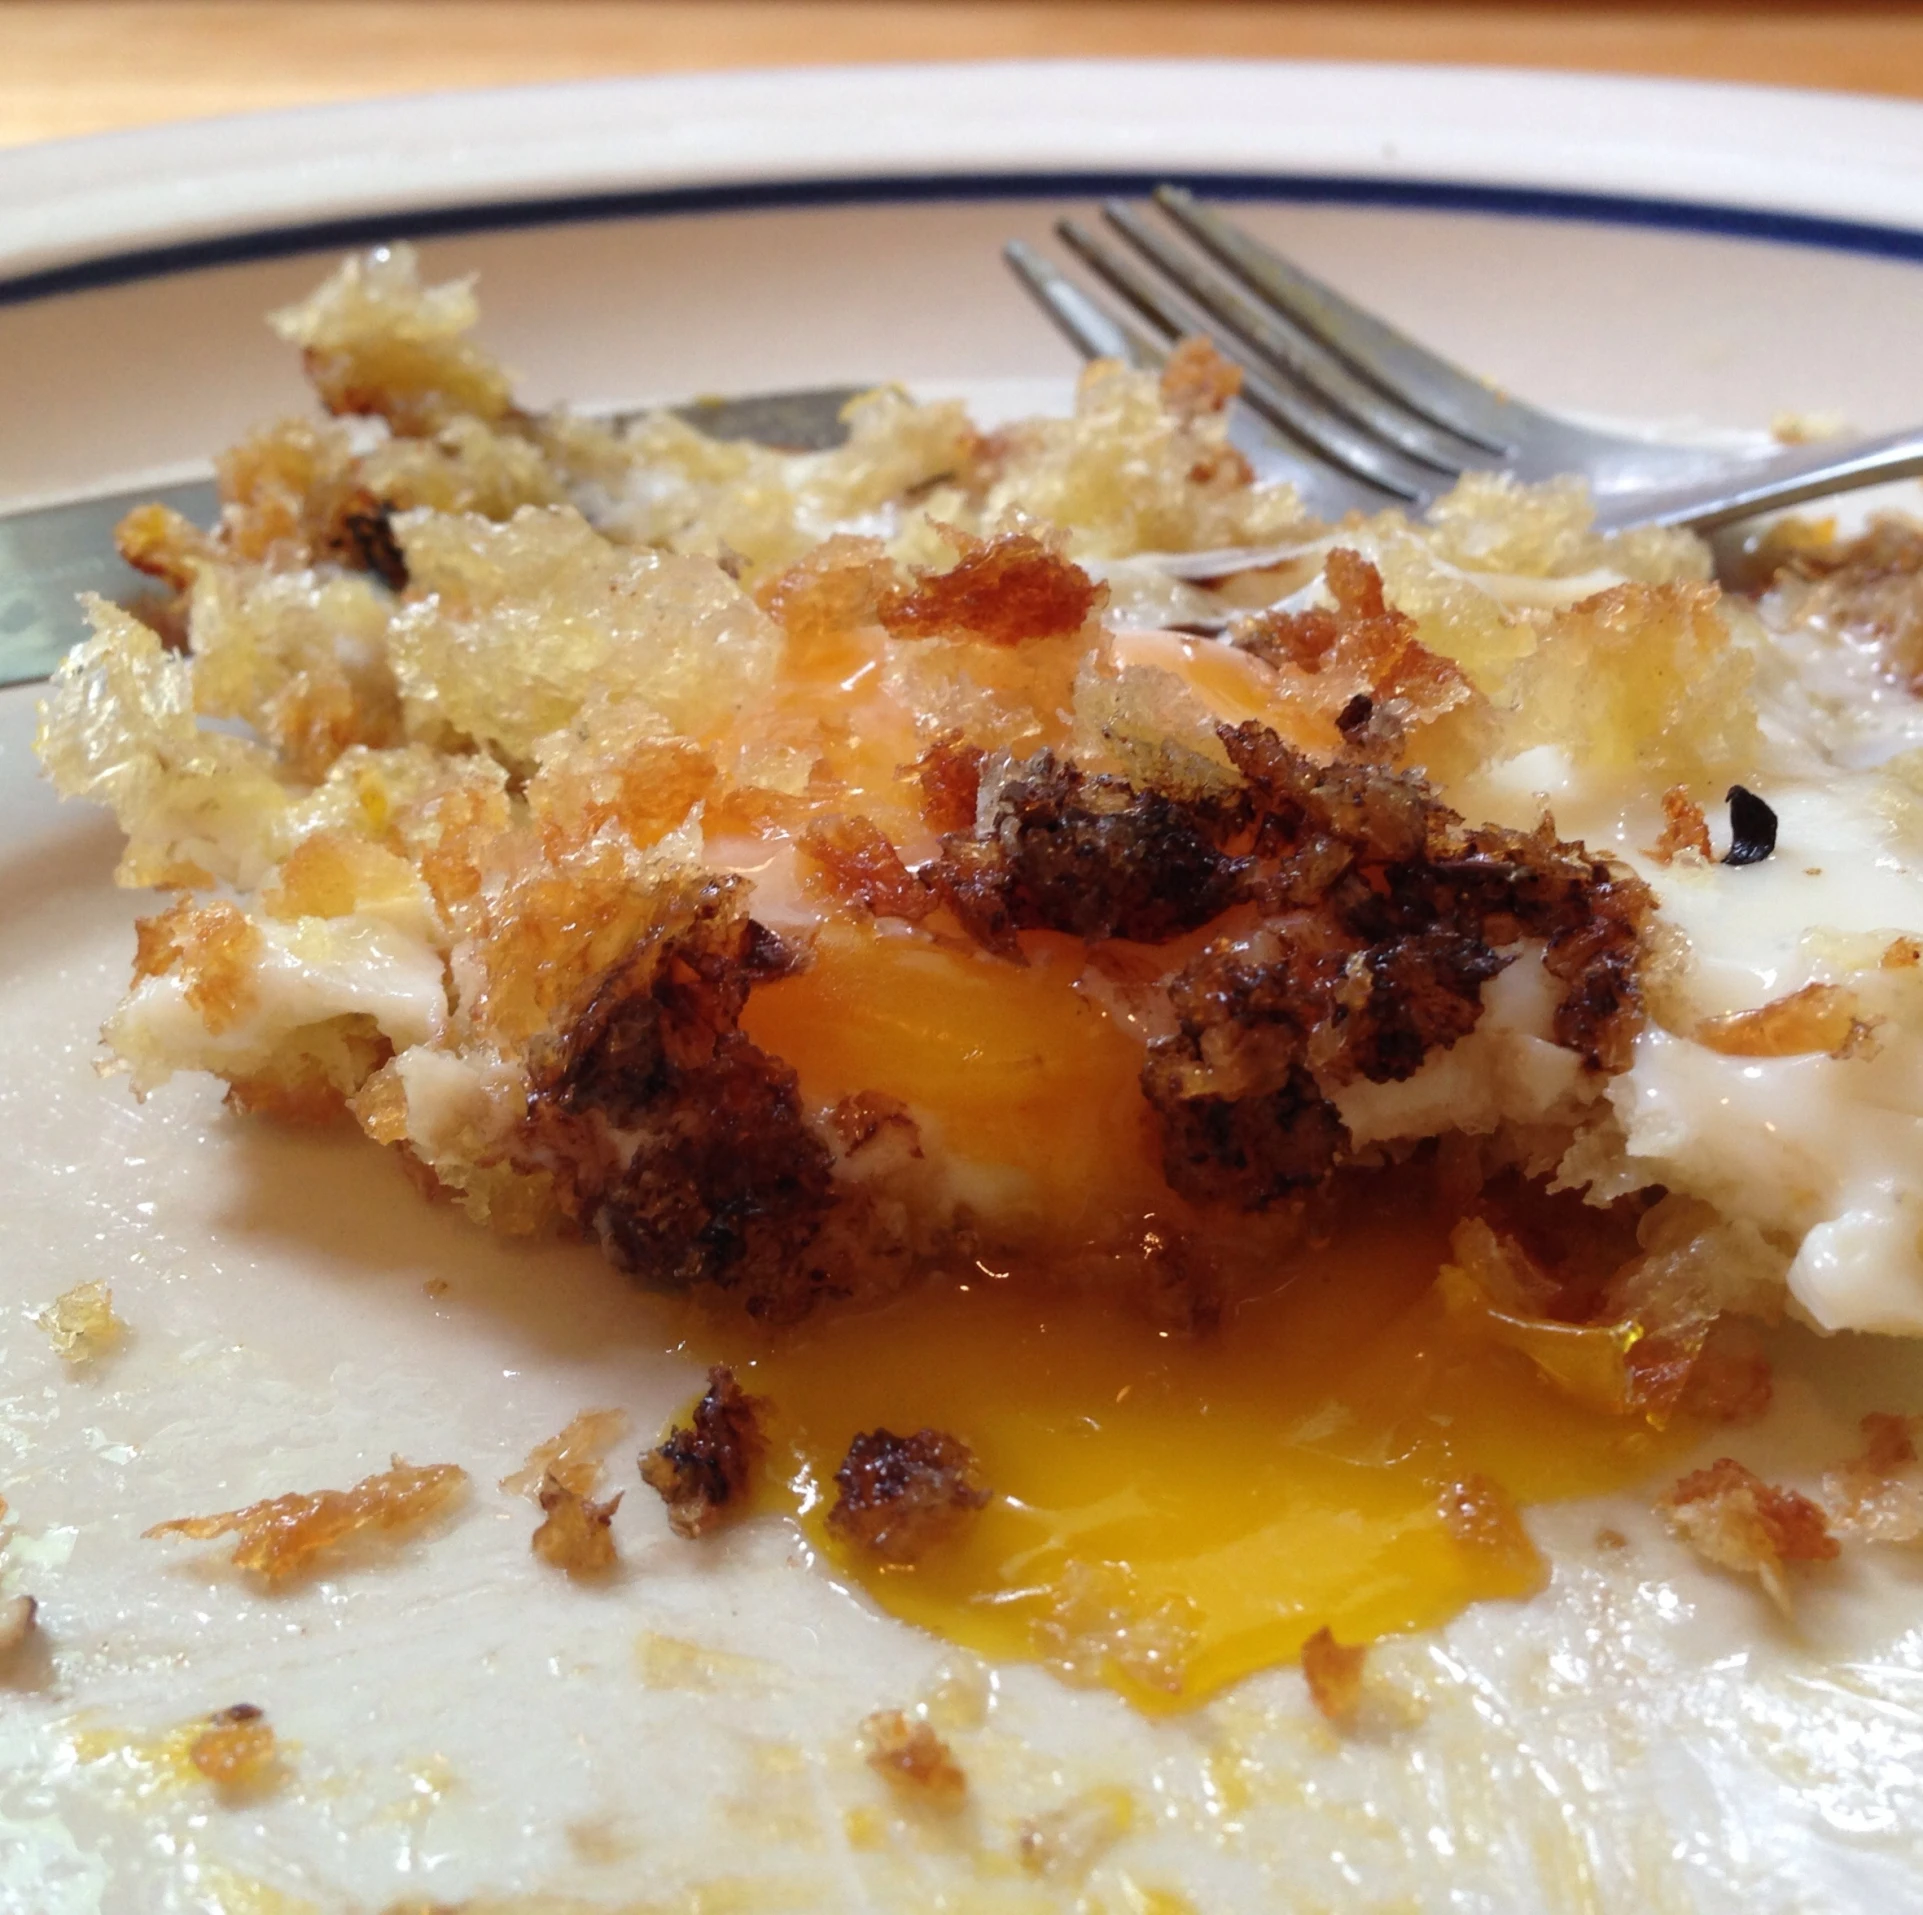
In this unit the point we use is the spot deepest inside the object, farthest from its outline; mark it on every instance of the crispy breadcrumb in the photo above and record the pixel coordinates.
(1004, 590)
(80, 1323)
(237, 1751)
(900, 1496)
(575, 1533)
(704, 1469)
(1333, 1671)
(574, 1458)
(284, 1536)
(1099, 1622)
(1197, 379)
(1684, 828)
(908, 1755)
(1730, 1517)
(1878, 1495)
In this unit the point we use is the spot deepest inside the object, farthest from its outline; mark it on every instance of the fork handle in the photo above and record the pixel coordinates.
(1812, 472)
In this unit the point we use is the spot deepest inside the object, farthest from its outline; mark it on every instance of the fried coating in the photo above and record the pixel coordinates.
(285, 1536)
(1333, 1671)
(1003, 590)
(704, 1469)
(900, 1496)
(913, 1760)
(949, 774)
(575, 1533)
(237, 1750)
(1730, 1517)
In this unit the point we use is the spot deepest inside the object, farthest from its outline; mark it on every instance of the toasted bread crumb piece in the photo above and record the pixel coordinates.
(907, 1754)
(214, 947)
(1730, 1517)
(1065, 1843)
(949, 774)
(1198, 379)
(575, 1533)
(80, 1323)
(282, 1535)
(574, 1458)
(1481, 1515)
(1820, 1019)
(1004, 590)
(19, 1616)
(1333, 1671)
(1684, 828)
(863, 868)
(901, 1495)
(703, 1470)
(1878, 1496)
(237, 1749)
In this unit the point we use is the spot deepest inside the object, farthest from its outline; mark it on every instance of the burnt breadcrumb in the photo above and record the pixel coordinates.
(703, 1470)
(724, 1183)
(1384, 915)
(1091, 856)
(901, 1495)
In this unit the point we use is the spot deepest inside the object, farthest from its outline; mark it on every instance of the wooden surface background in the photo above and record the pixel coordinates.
(82, 66)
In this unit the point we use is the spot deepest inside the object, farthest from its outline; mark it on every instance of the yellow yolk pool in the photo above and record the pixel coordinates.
(1171, 1511)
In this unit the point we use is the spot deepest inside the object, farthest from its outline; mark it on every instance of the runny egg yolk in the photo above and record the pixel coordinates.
(1171, 1510)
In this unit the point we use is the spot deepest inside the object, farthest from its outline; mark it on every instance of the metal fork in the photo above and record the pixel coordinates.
(1361, 416)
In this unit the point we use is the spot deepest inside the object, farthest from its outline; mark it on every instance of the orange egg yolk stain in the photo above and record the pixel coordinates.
(1171, 1511)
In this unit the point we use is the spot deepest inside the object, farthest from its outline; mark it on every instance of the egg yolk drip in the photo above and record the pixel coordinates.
(1171, 1510)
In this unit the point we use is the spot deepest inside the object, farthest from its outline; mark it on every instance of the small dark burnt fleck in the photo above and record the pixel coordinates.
(369, 545)
(1752, 827)
(1353, 719)
(901, 1495)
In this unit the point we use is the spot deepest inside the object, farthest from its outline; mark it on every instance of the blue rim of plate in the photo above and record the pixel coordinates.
(1523, 202)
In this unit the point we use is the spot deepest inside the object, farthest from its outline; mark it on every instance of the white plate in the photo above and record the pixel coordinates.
(1640, 1737)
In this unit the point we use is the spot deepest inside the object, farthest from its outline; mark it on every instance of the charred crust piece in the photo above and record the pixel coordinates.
(901, 1495)
(724, 1182)
(367, 542)
(864, 868)
(1385, 915)
(1091, 856)
(703, 1469)
(1352, 721)
(950, 775)
(1752, 827)
(1004, 590)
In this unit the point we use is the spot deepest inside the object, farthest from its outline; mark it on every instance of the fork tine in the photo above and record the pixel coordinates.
(1296, 355)
(1092, 330)
(1381, 353)
(1320, 432)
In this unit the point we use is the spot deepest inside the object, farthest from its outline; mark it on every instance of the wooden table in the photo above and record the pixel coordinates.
(81, 66)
